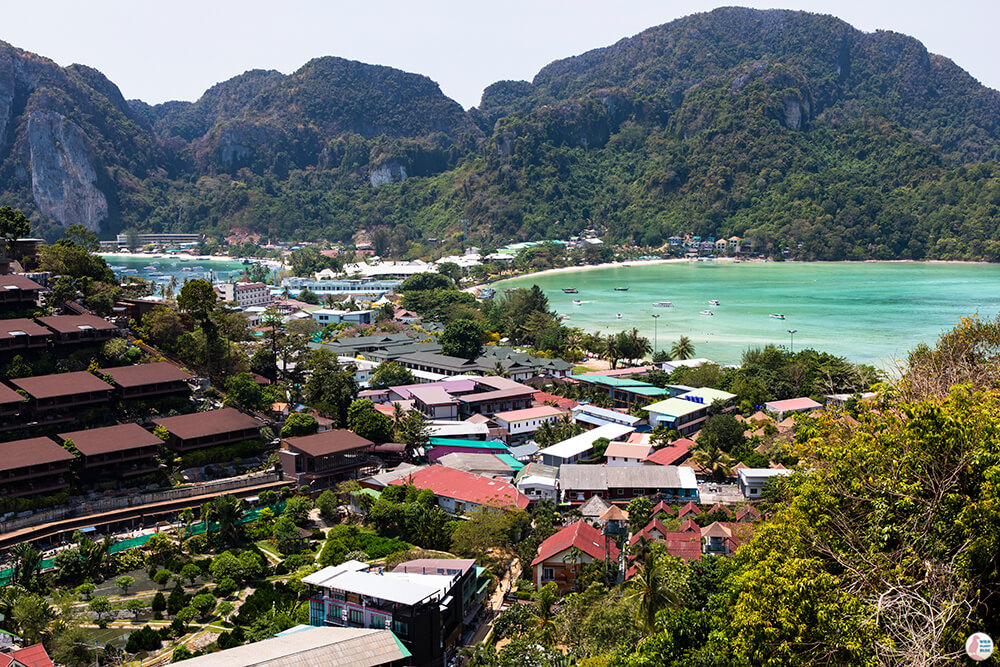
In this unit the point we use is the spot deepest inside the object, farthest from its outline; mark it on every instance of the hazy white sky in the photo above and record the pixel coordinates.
(159, 51)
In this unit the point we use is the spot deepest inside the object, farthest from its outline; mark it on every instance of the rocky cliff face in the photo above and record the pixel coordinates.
(64, 171)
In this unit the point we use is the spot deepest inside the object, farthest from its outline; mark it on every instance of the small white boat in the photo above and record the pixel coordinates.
(713, 302)
(187, 268)
(707, 312)
(663, 304)
(577, 302)
(776, 316)
(618, 316)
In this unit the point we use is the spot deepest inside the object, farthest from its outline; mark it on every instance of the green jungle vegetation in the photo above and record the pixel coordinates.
(792, 129)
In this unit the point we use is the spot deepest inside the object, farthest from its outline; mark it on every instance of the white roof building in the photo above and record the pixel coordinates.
(573, 449)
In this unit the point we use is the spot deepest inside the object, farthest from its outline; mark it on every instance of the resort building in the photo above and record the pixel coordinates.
(18, 292)
(498, 400)
(623, 392)
(581, 447)
(626, 454)
(79, 329)
(321, 460)
(434, 402)
(459, 492)
(676, 452)
(209, 429)
(330, 316)
(470, 590)
(60, 396)
(22, 335)
(363, 289)
(782, 408)
(538, 482)
(683, 416)
(312, 646)
(621, 484)
(520, 423)
(33, 466)
(115, 452)
(160, 378)
(419, 609)
(244, 294)
(752, 480)
(11, 405)
(591, 415)
(555, 559)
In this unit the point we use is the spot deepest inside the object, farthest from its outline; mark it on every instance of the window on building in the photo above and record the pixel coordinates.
(357, 617)
(619, 492)
(401, 628)
(548, 574)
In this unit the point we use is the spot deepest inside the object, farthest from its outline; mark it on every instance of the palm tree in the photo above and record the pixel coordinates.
(638, 345)
(653, 587)
(713, 459)
(544, 612)
(498, 369)
(226, 511)
(27, 561)
(172, 284)
(682, 349)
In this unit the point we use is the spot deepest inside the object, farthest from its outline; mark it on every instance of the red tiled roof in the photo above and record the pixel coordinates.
(672, 453)
(61, 384)
(73, 323)
(581, 535)
(33, 451)
(720, 507)
(560, 402)
(690, 526)
(143, 374)
(33, 656)
(686, 545)
(466, 487)
(688, 509)
(747, 510)
(647, 532)
(207, 423)
(334, 441)
(118, 438)
(663, 507)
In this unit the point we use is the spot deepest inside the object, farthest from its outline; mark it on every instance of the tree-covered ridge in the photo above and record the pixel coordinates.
(811, 138)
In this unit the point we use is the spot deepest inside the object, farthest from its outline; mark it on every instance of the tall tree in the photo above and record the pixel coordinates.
(682, 349)
(13, 225)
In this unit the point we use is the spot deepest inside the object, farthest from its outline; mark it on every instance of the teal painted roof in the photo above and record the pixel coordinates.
(475, 444)
(511, 461)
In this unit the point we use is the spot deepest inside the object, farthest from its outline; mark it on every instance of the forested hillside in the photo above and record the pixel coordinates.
(791, 128)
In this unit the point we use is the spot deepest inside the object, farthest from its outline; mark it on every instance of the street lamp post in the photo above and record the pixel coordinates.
(656, 340)
(791, 333)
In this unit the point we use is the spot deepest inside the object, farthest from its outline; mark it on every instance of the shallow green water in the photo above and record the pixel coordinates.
(214, 269)
(868, 312)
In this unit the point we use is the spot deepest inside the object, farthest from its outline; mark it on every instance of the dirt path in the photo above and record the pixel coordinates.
(493, 606)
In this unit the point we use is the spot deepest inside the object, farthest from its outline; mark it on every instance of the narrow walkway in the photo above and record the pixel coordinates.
(493, 606)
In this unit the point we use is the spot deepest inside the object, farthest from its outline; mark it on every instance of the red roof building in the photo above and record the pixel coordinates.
(554, 560)
(458, 491)
(689, 510)
(209, 429)
(323, 459)
(76, 329)
(18, 291)
(60, 396)
(564, 404)
(124, 450)
(33, 466)
(160, 378)
(29, 656)
(674, 453)
(23, 334)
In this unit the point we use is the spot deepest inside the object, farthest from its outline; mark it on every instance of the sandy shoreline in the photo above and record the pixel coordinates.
(592, 267)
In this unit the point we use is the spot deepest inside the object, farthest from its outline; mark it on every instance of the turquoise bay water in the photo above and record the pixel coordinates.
(214, 269)
(868, 312)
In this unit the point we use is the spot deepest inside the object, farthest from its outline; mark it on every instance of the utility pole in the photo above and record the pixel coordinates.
(791, 333)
